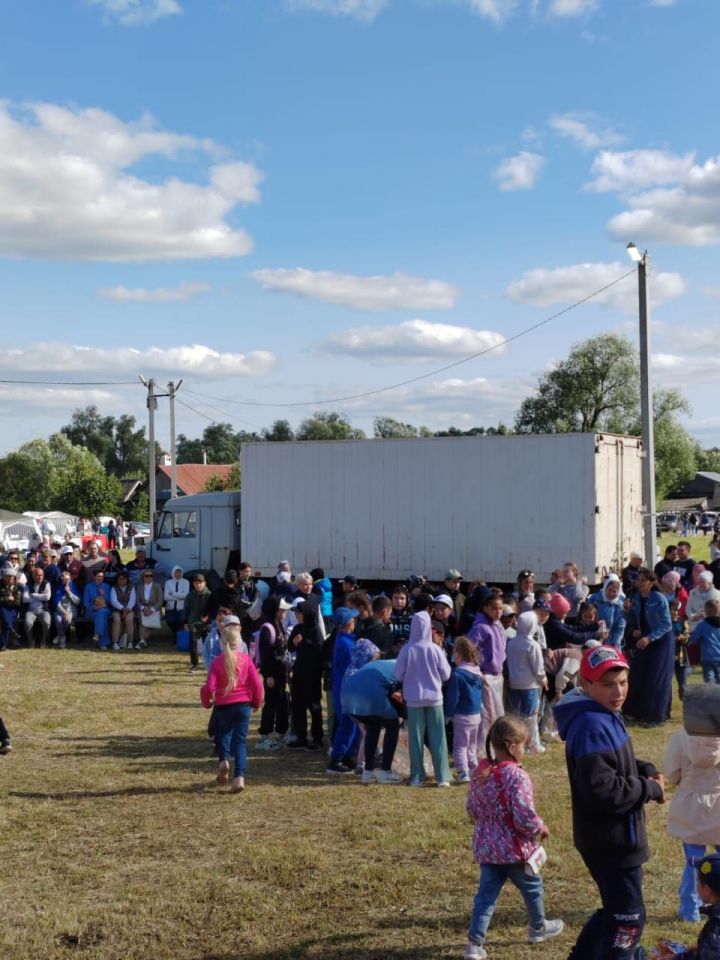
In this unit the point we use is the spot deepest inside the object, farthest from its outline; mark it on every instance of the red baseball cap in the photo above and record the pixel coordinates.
(597, 661)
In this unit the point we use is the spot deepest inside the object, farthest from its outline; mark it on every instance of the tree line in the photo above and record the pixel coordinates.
(596, 389)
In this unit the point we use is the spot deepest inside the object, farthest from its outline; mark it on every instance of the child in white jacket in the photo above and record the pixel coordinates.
(693, 763)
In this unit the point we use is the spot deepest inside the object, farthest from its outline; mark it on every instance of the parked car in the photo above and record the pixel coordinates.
(669, 522)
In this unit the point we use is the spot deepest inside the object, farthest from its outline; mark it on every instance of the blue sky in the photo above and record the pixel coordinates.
(291, 200)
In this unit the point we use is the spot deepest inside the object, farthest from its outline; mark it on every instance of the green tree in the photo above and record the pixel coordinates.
(219, 443)
(708, 460)
(214, 483)
(596, 388)
(386, 428)
(328, 425)
(279, 430)
(118, 443)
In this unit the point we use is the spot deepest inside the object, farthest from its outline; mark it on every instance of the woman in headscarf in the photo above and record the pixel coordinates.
(609, 604)
(652, 664)
(674, 590)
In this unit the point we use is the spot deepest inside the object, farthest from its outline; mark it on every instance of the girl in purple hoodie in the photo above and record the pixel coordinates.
(422, 668)
(488, 635)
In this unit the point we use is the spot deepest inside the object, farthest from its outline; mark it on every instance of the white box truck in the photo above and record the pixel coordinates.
(383, 509)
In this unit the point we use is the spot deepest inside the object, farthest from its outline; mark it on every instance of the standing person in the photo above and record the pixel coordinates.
(630, 572)
(399, 617)
(524, 591)
(112, 535)
(65, 605)
(306, 687)
(5, 744)
(684, 564)
(149, 603)
(194, 607)
(113, 568)
(123, 603)
(274, 662)
(488, 635)
(572, 588)
(652, 667)
(698, 598)
(234, 688)
(451, 588)
(609, 788)
(674, 590)
(322, 587)
(422, 668)
(707, 636)
(668, 561)
(377, 629)
(693, 765)
(508, 832)
(526, 675)
(174, 594)
(463, 705)
(682, 637)
(345, 740)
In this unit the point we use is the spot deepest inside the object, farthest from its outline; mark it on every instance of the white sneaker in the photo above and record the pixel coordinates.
(116, 647)
(368, 776)
(474, 951)
(388, 776)
(416, 782)
(123, 642)
(444, 784)
(141, 645)
(549, 929)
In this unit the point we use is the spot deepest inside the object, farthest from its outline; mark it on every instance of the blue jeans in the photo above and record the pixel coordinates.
(711, 671)
(690, 902)
(492, 880)
(8, 619)
(525, 702)
(233, 720)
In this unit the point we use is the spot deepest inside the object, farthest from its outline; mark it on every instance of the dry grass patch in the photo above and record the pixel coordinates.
(117, 844)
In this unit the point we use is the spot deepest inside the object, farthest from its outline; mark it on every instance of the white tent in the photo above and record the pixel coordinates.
(18, 531)
(56, 519)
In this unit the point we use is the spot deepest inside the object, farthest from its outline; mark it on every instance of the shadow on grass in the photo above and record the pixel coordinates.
(339, 947)
(100, 794)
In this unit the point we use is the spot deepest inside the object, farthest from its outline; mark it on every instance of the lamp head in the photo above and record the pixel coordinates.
(634, 253)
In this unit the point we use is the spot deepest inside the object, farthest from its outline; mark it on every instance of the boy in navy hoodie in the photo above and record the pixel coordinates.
(609, 788)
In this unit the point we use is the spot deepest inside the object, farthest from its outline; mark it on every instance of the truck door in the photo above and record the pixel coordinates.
(177, 542)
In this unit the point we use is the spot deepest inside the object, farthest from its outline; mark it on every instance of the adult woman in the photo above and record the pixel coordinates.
(96, 601)
(651, 667)
(609, 605)
(149, 601)
(524, 591)
(699, 595)
(715, 548)
(123, 601)
(674, 590)
(113, 568)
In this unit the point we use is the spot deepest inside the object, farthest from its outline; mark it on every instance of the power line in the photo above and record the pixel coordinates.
(432, 373)
(73, 383)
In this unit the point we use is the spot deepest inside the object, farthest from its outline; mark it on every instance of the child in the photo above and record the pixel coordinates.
(507, 833)
(235, 689)
(346, 738)
(707, 636)
(271, 656)
(463, 704)
(193, 610)
(422, 668)
(693, 762)
(682, 637)
(609, 789)
(526, 673)
(708, 945)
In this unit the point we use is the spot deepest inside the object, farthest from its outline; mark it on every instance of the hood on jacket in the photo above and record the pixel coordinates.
(527, 624)
(420, 631)
(571, 706)
(174, 569)
(702, 751)
(470, 668)
(470, 674)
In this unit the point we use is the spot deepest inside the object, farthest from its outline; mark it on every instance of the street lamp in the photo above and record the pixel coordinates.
(646, 406)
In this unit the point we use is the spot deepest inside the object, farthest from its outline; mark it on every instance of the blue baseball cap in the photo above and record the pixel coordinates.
(343, 616)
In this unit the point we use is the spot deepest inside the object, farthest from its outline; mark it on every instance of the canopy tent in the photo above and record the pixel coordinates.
(59, 521)
(17, 530)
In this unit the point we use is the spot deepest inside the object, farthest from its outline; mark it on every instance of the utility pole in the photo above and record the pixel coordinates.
(172, 390)
(152, 407)
(646, 408)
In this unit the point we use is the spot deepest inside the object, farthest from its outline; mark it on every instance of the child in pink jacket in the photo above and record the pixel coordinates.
(234, 687)
(508, 832)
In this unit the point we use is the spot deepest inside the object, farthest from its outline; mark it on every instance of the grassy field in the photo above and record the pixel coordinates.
(116, 843)
(700, 545)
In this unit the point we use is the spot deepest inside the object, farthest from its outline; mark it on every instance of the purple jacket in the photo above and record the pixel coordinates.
(422, 666)
(491, 640)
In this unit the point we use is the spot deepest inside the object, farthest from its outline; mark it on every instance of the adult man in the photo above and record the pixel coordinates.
(684, 564)
(630, 572)
(452, 583)
(36, 597)
(91, 563)
(139, 565)
(668, 561)
(308, 668)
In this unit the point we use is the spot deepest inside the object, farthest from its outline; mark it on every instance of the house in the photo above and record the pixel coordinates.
(700, 493)
(191, 478)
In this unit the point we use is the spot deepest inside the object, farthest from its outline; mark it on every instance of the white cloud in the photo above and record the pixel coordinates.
(186, 291)
(66, 191)
(496, 10)
(565, 285)
(397, 292)
(687, 212)
(411, 341)
(571, 8)
(195, 358)
(360, 9)
(577, 127)
(138, 13)
(663, 3)
(519, 172)
(636, 169)
(697, 368)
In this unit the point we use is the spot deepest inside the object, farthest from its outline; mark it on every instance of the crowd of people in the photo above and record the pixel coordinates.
(476, 675)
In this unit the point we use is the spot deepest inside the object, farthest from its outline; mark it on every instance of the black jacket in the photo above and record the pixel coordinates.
(708, 945)
(609, 787)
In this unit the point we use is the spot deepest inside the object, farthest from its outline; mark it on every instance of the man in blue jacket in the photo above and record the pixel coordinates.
(609, 789)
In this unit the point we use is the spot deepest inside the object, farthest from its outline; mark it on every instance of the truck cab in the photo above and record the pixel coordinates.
(200, 532)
